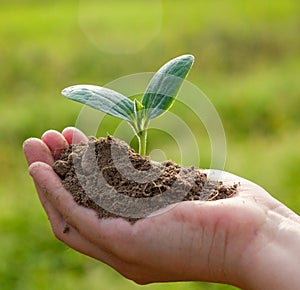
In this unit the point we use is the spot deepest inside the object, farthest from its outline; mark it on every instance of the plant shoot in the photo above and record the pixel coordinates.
(157, 99)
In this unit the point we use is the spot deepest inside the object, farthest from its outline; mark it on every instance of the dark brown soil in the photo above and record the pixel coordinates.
(109, 177)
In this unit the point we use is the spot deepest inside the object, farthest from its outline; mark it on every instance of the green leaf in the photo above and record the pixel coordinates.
(102, 99)
(164, 86)
(138, 106)
(138, 112)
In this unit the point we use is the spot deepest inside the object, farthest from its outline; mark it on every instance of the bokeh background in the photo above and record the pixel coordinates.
(247, 63)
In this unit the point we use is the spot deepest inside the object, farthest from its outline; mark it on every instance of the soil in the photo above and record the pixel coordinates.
(108, 176)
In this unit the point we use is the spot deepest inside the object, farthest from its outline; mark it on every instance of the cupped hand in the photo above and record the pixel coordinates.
(239, 241)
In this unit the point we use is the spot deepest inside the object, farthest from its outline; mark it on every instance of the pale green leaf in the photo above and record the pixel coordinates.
(164, 86)
(102, 99)
(138, 112)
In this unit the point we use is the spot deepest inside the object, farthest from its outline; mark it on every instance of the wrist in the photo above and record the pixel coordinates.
(274, 258)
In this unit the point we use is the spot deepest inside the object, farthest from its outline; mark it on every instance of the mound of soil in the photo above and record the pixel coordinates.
(109, 177)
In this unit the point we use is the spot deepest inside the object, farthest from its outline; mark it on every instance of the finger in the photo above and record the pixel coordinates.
(72, 238)
(112, 237)
(54, 216)
(109, 234)
(68, 234)
(74, 135)
(65, 232)
(82, 219)
(55, 141)
(36, 150)
(50, 210)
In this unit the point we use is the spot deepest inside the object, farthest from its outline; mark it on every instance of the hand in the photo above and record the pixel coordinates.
(250, 240)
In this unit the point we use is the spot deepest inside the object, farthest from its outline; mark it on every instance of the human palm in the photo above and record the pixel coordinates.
(229, 241)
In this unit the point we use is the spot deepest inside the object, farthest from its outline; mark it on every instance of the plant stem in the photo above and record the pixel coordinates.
(142, 137)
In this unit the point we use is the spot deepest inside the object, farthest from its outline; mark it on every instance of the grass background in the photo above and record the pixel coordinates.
(247, 62)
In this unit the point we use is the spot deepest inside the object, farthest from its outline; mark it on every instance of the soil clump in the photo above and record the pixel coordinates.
(106, 175)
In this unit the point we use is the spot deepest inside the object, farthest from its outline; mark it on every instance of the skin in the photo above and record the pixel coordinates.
(251, 240)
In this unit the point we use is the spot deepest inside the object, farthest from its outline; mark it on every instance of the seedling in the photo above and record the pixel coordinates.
(157, 99)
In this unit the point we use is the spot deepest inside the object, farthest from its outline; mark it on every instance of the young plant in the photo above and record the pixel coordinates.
(157, 99)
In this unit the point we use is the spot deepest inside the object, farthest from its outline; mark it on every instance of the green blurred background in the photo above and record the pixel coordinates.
(247, 63)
